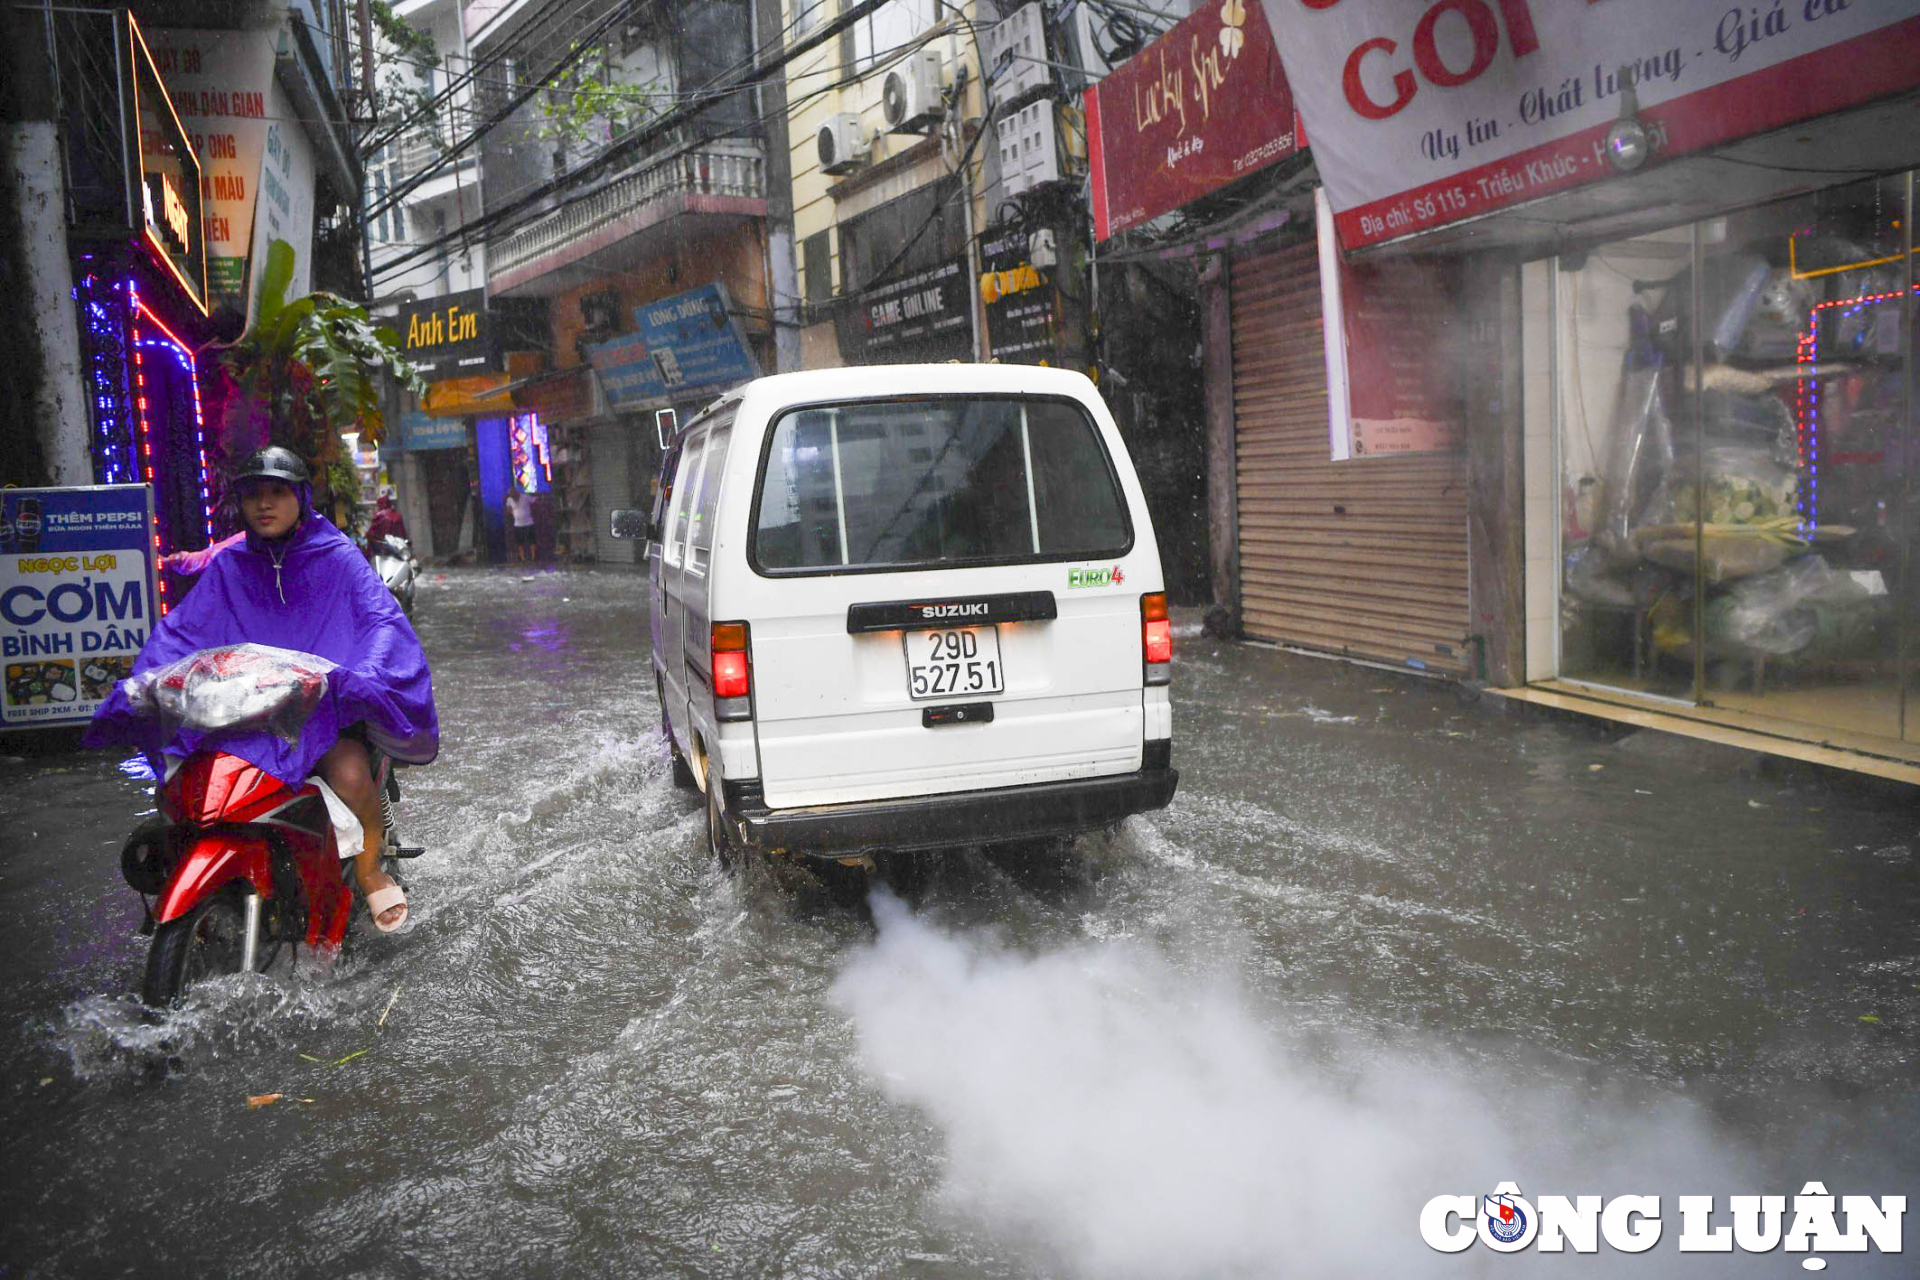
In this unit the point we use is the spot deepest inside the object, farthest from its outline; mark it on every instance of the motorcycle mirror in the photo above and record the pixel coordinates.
(628, 523)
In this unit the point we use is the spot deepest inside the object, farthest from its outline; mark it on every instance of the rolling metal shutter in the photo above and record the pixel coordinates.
(1366, 558)
(607, 463)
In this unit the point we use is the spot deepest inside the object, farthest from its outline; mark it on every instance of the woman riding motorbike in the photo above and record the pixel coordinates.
(296, 582)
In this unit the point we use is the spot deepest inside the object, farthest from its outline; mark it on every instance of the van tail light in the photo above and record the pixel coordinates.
(732, 675)
(1156, 637)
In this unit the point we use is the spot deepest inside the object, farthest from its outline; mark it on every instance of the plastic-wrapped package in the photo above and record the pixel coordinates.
(1779, 318)
(1782, 613)
(1724, 556)
(242, 686)
(1589, 579)
(1637, 464)
(1744, 485)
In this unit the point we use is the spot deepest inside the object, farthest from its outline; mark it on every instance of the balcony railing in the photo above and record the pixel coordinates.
(693, 173)
(425, 145)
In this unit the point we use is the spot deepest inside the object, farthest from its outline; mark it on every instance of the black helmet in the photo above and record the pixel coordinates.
(274, 463)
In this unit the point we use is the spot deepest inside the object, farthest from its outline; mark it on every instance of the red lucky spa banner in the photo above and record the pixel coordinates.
(1204, 105)
(1425, 112)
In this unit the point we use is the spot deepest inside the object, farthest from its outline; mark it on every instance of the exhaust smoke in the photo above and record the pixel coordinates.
(1125, 1121)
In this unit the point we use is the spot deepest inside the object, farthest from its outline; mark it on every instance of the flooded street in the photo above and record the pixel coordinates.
(1387, 944)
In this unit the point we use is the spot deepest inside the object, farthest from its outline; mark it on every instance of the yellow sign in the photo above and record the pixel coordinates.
(995, 285)
(481, 393)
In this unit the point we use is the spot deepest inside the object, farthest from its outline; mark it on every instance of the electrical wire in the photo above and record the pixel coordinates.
(550, 12)
(414, 182)
(634, 142)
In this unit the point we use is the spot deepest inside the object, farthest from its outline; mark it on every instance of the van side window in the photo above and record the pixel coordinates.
(684, 479)
(936, 481)
(706, 498)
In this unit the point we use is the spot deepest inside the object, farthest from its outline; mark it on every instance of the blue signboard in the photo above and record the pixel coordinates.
(419, 433)
(76, 598)
(685, 346)
(628, 377)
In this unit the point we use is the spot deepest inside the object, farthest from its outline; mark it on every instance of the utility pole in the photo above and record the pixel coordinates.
(41, 334)
(783, 279)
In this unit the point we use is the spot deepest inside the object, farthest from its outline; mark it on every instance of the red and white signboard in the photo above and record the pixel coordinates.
(1425, 112)
(1390, 328)
(1201, 107)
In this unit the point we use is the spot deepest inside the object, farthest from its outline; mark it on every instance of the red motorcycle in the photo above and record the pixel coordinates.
(239, 864)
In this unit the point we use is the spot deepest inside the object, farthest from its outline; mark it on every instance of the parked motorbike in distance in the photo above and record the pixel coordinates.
(238, 864)
(393, 560)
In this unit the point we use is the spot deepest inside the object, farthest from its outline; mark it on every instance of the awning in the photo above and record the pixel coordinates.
(480, 393)
(559, 395)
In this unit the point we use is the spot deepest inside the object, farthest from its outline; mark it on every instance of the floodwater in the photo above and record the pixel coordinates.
(1388, 944)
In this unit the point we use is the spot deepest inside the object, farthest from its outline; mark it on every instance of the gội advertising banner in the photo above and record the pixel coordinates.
(76, 598)
(1203, 106)
(1390, 334)
(220, 82)
(1425, 112)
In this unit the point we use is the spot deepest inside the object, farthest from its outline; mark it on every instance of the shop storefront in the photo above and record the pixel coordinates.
(1707, 240)
(1337, 449)
(683, 350)
(140, 281)
(1352, 527)
(470, 351)
(1730, 465)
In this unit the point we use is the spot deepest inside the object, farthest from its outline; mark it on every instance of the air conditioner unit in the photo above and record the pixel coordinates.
(911, 95)
(841, 143)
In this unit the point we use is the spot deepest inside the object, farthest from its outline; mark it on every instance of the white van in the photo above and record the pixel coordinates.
(907, 607)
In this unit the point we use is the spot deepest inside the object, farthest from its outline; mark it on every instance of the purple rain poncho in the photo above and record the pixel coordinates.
(335, 607)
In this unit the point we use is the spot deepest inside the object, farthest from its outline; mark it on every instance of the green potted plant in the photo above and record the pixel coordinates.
(313, 367)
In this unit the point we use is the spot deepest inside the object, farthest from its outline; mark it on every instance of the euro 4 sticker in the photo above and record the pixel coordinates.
(1109, 577)
(1506, 1222)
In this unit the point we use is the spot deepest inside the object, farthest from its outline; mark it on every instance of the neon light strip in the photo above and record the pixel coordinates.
(1807, 395)
(199, 417)
(146, 437)
(199, 298)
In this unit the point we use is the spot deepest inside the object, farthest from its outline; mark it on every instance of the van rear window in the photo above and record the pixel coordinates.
(953, 480)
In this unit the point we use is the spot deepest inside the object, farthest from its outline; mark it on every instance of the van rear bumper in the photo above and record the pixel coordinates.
(963, 817)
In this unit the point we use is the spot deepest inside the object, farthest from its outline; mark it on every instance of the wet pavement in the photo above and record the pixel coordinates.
(1389, 943)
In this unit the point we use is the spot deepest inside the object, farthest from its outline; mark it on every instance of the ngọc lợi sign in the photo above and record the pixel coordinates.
(1201, 107)
(76, 598)
(419, 432)
(1427, 112)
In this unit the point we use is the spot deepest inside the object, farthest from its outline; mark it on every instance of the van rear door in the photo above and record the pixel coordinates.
(946, 598)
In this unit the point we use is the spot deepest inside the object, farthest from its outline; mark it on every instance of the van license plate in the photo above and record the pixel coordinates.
(943, 664)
